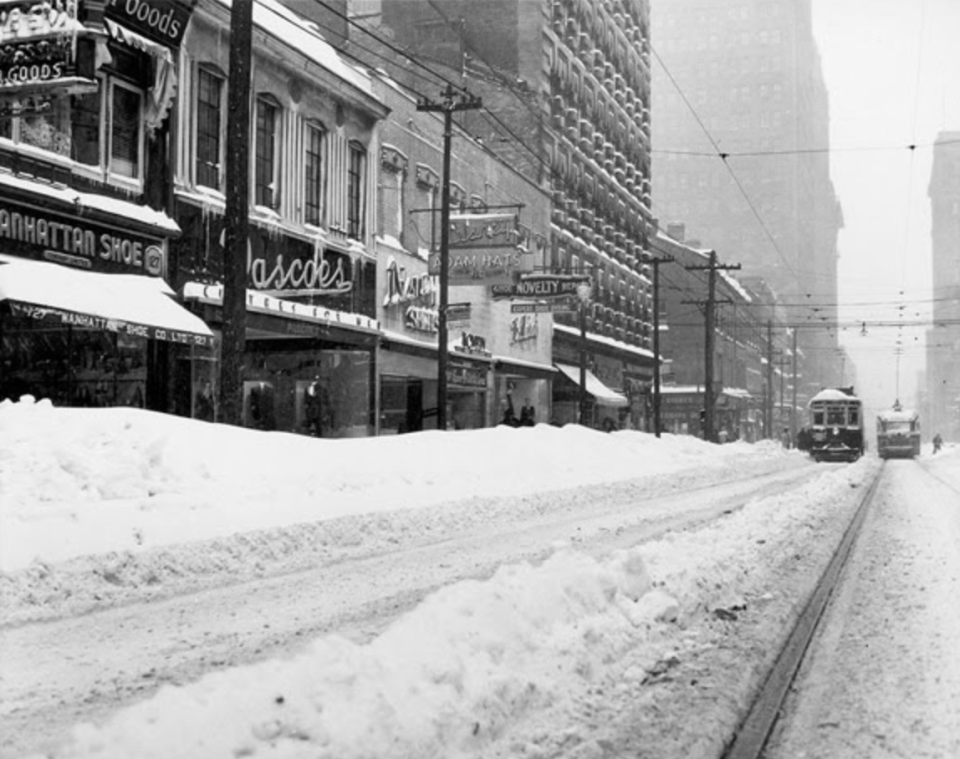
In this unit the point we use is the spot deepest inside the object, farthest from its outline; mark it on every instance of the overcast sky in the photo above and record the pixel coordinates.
(892, 69)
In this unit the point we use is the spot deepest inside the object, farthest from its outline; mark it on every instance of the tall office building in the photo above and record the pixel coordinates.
(740, 128)
(943, 339)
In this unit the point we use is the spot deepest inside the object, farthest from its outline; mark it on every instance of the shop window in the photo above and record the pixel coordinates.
(315, 177)
(210, 92)
(267, 171)
(72, 366)
(355, 190)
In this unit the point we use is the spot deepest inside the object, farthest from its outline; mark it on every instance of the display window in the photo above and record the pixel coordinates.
(71, 366)
(324, 392)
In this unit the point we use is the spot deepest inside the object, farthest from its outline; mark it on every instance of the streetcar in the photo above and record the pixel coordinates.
(898, 432)
(835, 432)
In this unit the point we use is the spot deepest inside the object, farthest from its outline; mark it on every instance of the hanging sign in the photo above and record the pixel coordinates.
(162, 21)
(541, 286)
(550, 307)
(483, 249)
(38, 46)
(458, 315)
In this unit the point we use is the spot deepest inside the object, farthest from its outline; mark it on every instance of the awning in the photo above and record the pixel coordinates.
(128, 304)
(603, 394)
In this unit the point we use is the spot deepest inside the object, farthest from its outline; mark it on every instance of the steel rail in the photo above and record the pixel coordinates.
(751, 737)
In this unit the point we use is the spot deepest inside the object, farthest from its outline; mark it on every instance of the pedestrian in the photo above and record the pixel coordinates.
(937, 443)
(528, 415)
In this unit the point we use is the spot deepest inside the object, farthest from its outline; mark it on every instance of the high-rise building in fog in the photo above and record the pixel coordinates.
(943, 339)
(740, 132)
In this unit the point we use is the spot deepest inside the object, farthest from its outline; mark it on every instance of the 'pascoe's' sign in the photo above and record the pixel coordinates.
(162, 21)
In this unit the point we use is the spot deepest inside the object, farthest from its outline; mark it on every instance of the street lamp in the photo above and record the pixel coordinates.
(584, 290)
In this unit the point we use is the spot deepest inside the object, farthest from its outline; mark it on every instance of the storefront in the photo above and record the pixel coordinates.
(681, 407)
(523, 371)
(608, 374)
(409, 360)
(311, 335)
(86, 318)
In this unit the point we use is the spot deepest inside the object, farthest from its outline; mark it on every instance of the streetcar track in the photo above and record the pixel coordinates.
(751, 737)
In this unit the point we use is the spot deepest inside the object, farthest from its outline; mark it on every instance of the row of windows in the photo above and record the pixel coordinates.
(269, 153)
(101, 131)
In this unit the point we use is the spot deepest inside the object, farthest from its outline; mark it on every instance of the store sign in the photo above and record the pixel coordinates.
(37, 44)
(89, 321)
(68, 240)
(473, 345)
(524, 328)
(271, 271)
(463, 373)
(163, 21)
(483, 249)
(541, 286)
(549, 307)
(416, 294)
(458, 315)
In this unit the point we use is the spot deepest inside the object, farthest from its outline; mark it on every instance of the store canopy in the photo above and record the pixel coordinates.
(128, 304)
(601, 393)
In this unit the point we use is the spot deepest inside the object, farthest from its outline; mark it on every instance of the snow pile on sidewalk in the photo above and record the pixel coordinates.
(76, 482)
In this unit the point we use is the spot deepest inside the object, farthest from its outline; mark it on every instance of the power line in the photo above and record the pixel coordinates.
(804, 151)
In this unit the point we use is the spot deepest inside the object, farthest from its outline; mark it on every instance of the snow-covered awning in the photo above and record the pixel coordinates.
(601, 393)
(128, 304)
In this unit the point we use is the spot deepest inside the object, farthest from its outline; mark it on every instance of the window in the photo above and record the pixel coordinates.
(125, 120)
(315, 179)
(267, 168)
(107, 139)
(355, 189)
(210, 87)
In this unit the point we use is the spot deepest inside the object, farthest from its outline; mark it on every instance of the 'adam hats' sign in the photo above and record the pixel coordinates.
(162, 21)
(484, 249)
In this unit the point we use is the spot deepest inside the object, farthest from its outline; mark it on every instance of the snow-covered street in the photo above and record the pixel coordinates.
(188, 589)
(883, 678)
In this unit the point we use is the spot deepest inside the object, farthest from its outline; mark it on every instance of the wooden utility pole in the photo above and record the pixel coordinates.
(708, 349)
(449, 103)
(768, 406)
(655, 263)
(236, 219)
(793, 401)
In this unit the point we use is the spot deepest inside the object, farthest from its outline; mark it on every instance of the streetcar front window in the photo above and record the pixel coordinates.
(835, 416)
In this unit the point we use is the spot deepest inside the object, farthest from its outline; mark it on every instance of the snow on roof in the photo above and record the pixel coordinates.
(897, 415)
(81, 200)
(306, 37)
(832, 394)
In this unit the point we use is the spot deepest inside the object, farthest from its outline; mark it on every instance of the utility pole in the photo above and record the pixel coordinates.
(655, 263)
(708, 349)
(768, 406)
(236, 218)
(781, 363)
(793, 405)
(449, 103)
